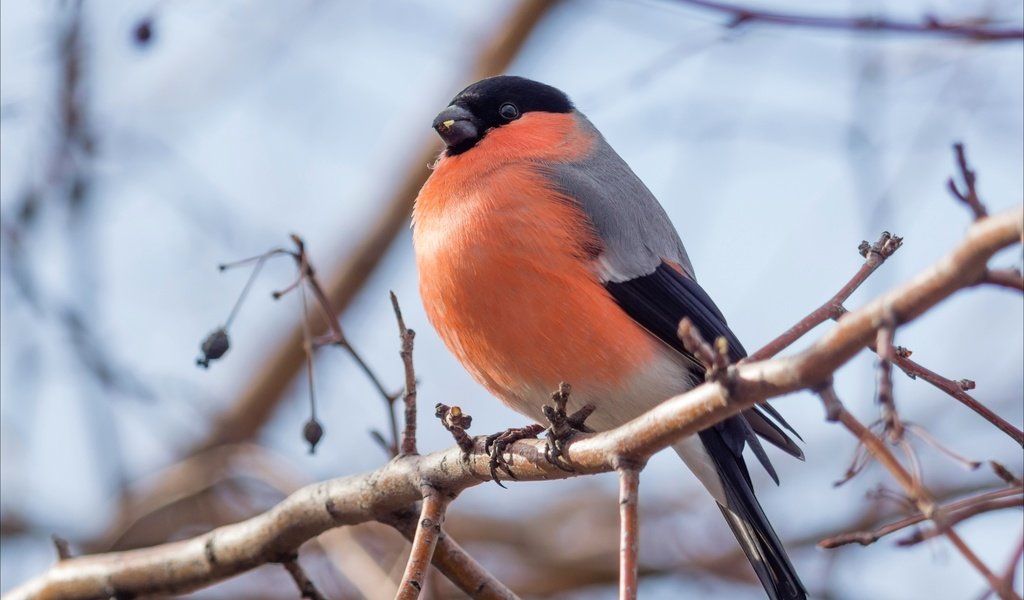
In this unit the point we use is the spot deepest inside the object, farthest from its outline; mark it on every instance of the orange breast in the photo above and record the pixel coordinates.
(506, 280)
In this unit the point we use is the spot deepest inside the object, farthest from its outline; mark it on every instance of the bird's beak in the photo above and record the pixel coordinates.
(456, 125)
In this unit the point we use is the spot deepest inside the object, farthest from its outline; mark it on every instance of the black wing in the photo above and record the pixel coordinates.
(658, 302)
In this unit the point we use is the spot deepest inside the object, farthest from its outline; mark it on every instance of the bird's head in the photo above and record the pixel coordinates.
(494, 102)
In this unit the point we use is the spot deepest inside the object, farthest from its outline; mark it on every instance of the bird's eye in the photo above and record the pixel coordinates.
(508, 111)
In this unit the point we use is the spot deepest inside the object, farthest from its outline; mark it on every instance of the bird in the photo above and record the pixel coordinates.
(542, 258)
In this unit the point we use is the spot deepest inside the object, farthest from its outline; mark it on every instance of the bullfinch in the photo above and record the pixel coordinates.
(543, 258)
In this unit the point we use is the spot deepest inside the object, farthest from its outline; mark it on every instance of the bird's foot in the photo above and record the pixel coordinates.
(496, 443)
(563, 426)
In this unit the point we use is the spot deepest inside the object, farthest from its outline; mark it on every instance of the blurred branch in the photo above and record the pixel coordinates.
(914, 489)
(1008, 278)
(972, 30)
(277, 533)
(969, 193)
(256, 403)
(307, 588)
(957, 511)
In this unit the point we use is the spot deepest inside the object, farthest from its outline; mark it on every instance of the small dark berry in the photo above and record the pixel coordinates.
(214, 347)
(312, 432)
(143, 32)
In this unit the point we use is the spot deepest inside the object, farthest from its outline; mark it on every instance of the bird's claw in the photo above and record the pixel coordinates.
(496, 443)
(560, 430)
(563, 426)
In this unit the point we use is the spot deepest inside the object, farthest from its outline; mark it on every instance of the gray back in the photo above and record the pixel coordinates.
(635, 229)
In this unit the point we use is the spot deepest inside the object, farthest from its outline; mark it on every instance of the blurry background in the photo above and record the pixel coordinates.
(144, 143)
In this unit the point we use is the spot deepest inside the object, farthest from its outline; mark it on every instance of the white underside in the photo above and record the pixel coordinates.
(692, 451)
(664, 378)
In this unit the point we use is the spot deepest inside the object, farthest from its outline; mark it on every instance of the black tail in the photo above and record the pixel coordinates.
(750, 525)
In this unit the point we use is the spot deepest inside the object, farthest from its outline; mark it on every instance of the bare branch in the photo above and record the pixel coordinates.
(865, 538)
(886, 354)
(62, 547)
(232, 549)
(456, 422)
(629, 536)
(912, 486)
(969, 194)
(742, 15)
(1008, 278)
(459, 567)
(957, 390)
(302, 581)
(423, 543)
(874, 255)
(407, 336)
(975, 508)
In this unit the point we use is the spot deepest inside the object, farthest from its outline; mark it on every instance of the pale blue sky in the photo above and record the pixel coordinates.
(774, 150)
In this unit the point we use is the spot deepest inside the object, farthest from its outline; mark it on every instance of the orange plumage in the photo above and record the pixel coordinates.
(505, 273)
(543, 258)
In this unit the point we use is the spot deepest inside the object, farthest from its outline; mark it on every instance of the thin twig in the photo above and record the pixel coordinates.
(62, 547)
(865, 538)
(929, 439)
(913, 488)
(306, 277)
(313, 430)
(1010, 573)
(874, 256)
(459, 567)
(307, 588)
(260, 260)
(951, 519)
(956, 390)
(423, 543)
(886, 353)
(407, 336)
(928, 25)
(1008, 278)
(629, 532)
(1003, 473)
(969, 194)
(456, 421)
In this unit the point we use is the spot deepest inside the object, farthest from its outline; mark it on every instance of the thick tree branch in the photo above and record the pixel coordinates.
(189, 564)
